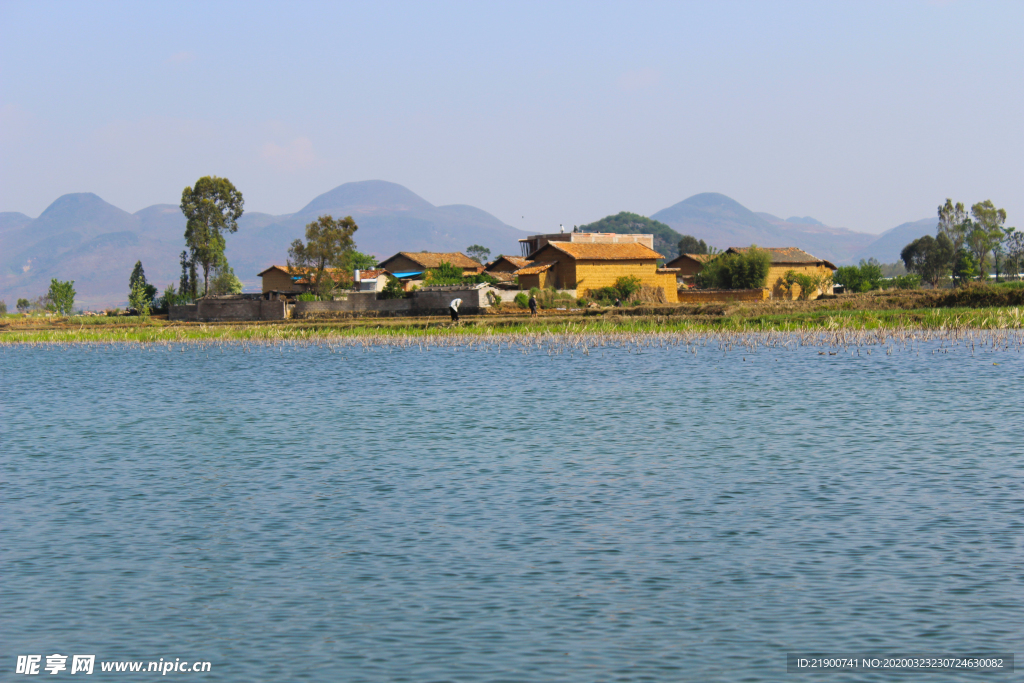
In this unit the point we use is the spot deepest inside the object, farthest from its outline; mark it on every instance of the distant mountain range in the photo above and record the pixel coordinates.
(80, 237)
(723, 222)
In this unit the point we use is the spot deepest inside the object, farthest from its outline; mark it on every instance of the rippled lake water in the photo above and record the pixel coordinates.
(295, 514)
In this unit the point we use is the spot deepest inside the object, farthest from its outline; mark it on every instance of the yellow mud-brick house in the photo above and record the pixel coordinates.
(422, 261)
(689, 265)
(506, 264)
(292, 281)
(785, 259)
(585, 266)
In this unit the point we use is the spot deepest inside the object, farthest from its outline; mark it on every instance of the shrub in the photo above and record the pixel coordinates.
(552, 298)
(392, 289)
(521, 300)
(747, 270)
(444, 274)
(224, 281)
(909, 281)
(138, 299)
(480, 279)
(802, 280)
(605, 296)
(862, 278)
(307, 296)
(849, 278)
(493, 298)
(62, 296)
(627, 285)
(3, 308)
(807, 282)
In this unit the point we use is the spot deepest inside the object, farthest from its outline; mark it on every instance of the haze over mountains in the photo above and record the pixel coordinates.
(80, 237)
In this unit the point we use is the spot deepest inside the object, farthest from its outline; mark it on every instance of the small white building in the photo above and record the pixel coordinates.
(370, 280)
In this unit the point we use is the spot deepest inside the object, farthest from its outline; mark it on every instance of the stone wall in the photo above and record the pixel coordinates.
(185, 312)
(356, 303)
(706, 296)
(242, 309)
(426, 301)
(509, 295)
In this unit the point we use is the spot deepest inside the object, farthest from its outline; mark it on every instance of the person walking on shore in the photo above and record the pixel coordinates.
(533, 305)
(453, 308)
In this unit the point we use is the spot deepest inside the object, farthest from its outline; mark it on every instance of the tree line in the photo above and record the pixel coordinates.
(966, 246)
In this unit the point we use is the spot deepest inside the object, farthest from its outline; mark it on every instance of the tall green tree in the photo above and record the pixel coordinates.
(986, 232)
(478, 253)
(138, 280)
(930, 257)
(954, 223)
(1014, 251)
(328, 244)
(964, 268)
(355, 259)
(746, 270)
(138, 299)
(691, 245)
(225, 281)
(188, 282)
(62, 296)
(23, 305)
(212, 207)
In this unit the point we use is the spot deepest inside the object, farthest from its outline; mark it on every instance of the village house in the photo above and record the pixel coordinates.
(411, 266)
(506, 264)
(369, 280)
(418, 262)
(584, 265)
(504, 268)
(290, 282)
(534, 242)
(785, 259)
(689, 265)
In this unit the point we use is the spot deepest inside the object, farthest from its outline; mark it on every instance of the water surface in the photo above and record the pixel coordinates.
(295, 513)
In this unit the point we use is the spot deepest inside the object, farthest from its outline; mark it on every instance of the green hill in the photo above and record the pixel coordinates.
(666, 240)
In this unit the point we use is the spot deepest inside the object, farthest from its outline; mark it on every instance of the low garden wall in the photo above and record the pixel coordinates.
(509, 295)
(229, 308)
(425, 301)
(704, 296)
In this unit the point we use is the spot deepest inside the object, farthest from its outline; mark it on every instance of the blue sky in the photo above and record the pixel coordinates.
(862, 114)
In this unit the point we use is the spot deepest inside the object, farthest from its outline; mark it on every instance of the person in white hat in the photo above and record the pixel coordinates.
(453, 308)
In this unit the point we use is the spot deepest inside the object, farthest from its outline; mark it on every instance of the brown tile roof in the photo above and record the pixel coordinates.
(503, 276)
(785, 255)
(699, 258)
(371, 273)
(334, 272)
(584, 251)
(429, 259)
(536, 267)
(516, 261)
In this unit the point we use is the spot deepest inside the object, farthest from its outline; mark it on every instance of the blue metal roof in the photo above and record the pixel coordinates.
(409, 274)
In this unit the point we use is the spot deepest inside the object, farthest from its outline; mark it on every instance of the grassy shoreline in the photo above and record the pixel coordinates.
(733, 321)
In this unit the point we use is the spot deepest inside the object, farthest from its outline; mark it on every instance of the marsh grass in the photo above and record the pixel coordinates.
(892, 322)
